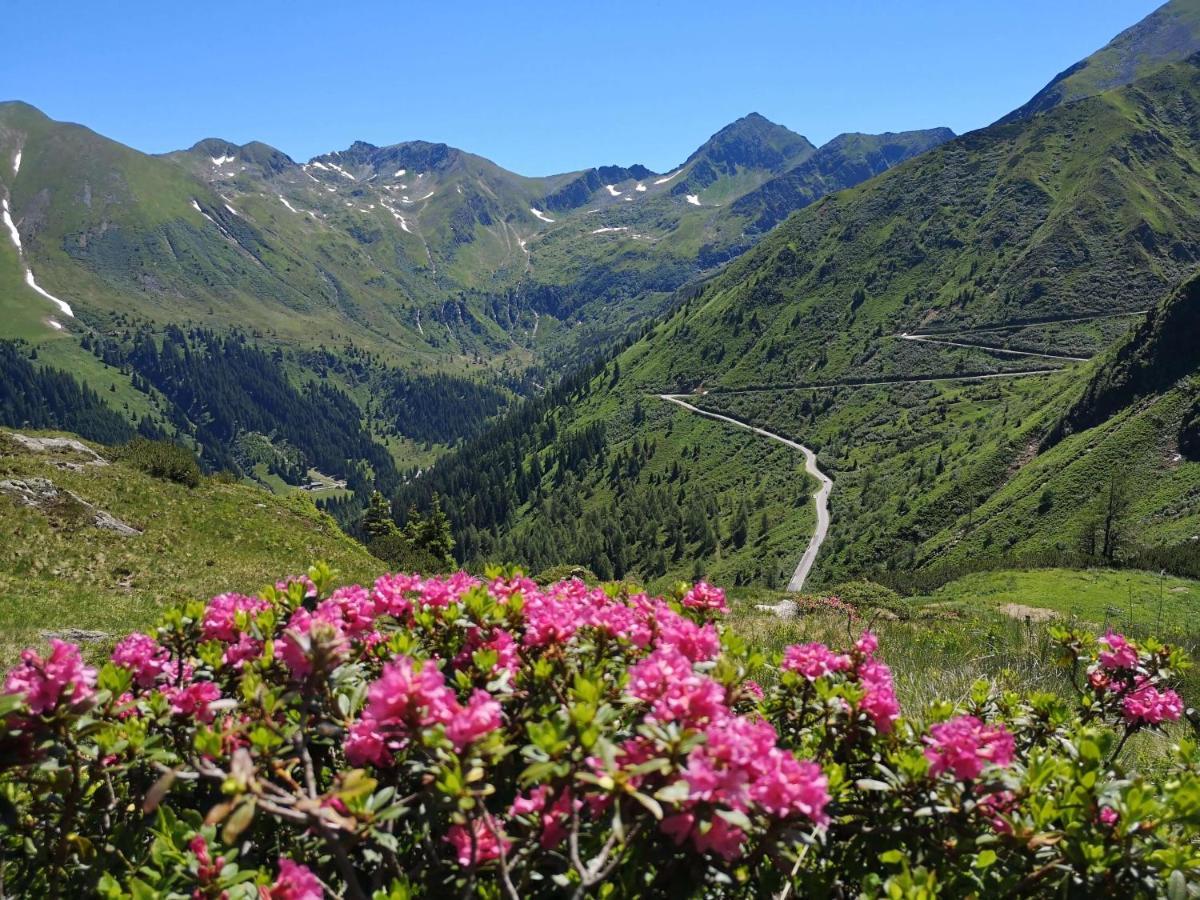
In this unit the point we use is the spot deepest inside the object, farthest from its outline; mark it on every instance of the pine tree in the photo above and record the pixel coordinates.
(377, 521)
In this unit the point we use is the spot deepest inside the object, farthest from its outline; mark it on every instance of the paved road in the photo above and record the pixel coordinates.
(810, 465)
(884, 383)
(929, 339)
(1032, 323)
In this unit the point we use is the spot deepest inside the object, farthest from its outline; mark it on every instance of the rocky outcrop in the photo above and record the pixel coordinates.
(58, 445)
(44, 495)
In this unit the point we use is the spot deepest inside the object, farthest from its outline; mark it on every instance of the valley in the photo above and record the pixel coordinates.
(802, 518)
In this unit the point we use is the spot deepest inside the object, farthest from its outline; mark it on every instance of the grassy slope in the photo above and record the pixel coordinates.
(1073, 212)
(1169, 34)
(56, 573)
(1125, 599)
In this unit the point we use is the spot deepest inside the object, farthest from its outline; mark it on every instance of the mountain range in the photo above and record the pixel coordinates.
(959, 340)
(958, 325)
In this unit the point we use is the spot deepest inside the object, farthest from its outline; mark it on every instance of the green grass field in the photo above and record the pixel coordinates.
(1129, 600)
(59, 572)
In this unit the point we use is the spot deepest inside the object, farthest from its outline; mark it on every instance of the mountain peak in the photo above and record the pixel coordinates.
(754, 141)
(1169, 34)
(256, 152)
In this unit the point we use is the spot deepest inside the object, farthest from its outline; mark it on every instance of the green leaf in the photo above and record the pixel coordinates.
(985, 859)
(238, 821)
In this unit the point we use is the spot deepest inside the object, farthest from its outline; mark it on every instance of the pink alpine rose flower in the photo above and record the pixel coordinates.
(393, 594)
(488, 840)
(60, 677)
(479, 717)
(295, 882)
(867, 644)
(699, 643)
(193, 701)
(310, 638)
(143, 656)
(1120, 654)
(880, 701)
(220, 617)
(964, 745)
(813, 660)
(1147, 705)
(705, 596)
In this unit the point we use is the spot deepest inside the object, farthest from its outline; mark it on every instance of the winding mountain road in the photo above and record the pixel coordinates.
(930, 339)
(821, 497)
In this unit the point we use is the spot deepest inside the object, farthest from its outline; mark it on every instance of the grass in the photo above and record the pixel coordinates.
(58, 572)
(1127, 600)
(944, 650)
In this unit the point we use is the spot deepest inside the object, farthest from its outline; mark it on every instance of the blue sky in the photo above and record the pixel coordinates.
(539, 87)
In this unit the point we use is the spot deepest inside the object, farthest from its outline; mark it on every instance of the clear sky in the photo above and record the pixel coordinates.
(539, 87)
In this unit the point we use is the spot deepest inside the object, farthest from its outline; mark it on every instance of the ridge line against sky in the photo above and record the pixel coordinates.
(543, 87)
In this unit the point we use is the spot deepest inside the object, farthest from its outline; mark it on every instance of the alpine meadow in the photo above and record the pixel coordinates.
(805, 519)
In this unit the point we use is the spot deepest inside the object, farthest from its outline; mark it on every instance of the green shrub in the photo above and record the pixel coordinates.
(867, 595)
(402, 556)
(559, 573)
(162, 459)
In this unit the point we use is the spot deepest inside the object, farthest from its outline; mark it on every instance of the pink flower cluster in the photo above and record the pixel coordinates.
(1118, 673)
(815, 660)
(45, 683)
(1147, 705)
(676, 693)
(1121, 654)
(408, 699)
(552, 815)
(479, 843)
(705, 596)
(965, 745)
(221, 616)
(739, 768)
(144, 657)
(295, 882)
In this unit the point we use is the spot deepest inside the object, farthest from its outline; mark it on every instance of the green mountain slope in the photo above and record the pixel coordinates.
(1163, 350)
(60, 570)
(417, 282)
(1169, 34)
(861, 327)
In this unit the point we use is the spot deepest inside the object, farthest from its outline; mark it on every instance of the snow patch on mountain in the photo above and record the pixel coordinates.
(283, 200)
(221, 160)
(63, 305)
(10, 225)
(17, 163)
(317, 164)
(196, 207)
(29, 279)
(612, 191)
(54, 323)
(342, 171)
(693, 199)
(640, 188)
(667, 178)
(608, 229)
(399, 173)
(541, 215)
(232, 210)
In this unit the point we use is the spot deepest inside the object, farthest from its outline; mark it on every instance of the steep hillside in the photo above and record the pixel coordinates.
(924, 332)
(94, 543)
(1118, 468)
(1169, 34)
(417, 282)
(1163, 350)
